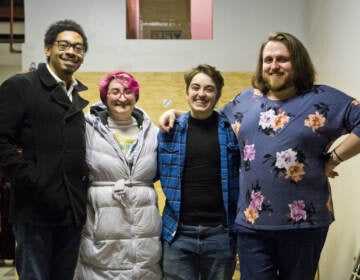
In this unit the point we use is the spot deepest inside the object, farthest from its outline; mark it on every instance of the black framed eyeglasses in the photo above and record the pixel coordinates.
(64, 45)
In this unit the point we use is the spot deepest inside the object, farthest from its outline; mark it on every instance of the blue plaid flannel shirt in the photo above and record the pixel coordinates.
(171, 158)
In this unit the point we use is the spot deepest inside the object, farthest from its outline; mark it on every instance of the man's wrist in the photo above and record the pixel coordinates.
(336, 155)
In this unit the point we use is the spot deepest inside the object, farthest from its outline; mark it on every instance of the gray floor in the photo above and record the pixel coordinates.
(7, 272)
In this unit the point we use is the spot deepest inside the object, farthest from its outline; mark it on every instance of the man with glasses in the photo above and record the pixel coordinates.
(42, 153)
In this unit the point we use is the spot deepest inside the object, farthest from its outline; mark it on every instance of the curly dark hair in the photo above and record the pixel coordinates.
(301, 62)
(64, 25)
(209, 70)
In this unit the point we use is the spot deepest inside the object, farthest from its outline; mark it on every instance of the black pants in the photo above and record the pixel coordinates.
(7, 240)
(280, 255)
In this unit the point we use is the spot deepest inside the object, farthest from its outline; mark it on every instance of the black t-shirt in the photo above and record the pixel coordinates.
(201, 194)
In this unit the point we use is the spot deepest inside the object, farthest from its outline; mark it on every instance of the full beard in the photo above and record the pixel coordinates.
(278, 85)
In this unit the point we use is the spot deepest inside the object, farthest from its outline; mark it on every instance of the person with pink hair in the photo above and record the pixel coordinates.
(121, 237)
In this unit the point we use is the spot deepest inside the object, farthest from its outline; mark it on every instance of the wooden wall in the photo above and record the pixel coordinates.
(155, 87)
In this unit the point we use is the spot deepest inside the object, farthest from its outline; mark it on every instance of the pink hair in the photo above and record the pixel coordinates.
(123, 77)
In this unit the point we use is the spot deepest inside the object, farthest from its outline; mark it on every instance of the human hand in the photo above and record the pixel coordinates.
(166, 120)
(331, 173)
(330, 164)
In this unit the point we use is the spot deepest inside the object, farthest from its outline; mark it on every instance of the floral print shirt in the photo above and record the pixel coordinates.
(282, 144)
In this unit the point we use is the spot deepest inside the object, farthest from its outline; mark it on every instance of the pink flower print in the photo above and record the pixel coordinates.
(251, 214)
(297, 211)
(267, 118)
(285, 159)
(280, 120)
(236, 126)
(256, 200)
(257, 204)
(249, 152)
(315, 121)
(295, 172)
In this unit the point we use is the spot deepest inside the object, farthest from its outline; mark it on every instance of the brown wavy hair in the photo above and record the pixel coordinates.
(304, 71)
(209, 70)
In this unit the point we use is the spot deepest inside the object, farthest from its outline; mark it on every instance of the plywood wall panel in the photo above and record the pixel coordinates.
(160, 91)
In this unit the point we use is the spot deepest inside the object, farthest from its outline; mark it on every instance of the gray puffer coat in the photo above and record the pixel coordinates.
(121, 237)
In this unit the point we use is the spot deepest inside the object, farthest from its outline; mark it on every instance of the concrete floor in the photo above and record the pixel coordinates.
(7, 271)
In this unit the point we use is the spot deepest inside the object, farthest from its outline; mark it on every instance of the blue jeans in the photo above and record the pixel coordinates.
(200, 252)
(280, 255)
(46, 252)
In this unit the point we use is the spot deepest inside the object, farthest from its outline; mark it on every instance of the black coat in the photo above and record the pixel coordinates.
(49, 177)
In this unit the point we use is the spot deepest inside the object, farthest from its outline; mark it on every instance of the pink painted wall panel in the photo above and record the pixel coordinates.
(201, 19)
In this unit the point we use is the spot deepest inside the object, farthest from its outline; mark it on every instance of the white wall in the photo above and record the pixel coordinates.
(333, 29)
(239, 27)
(329, 28)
